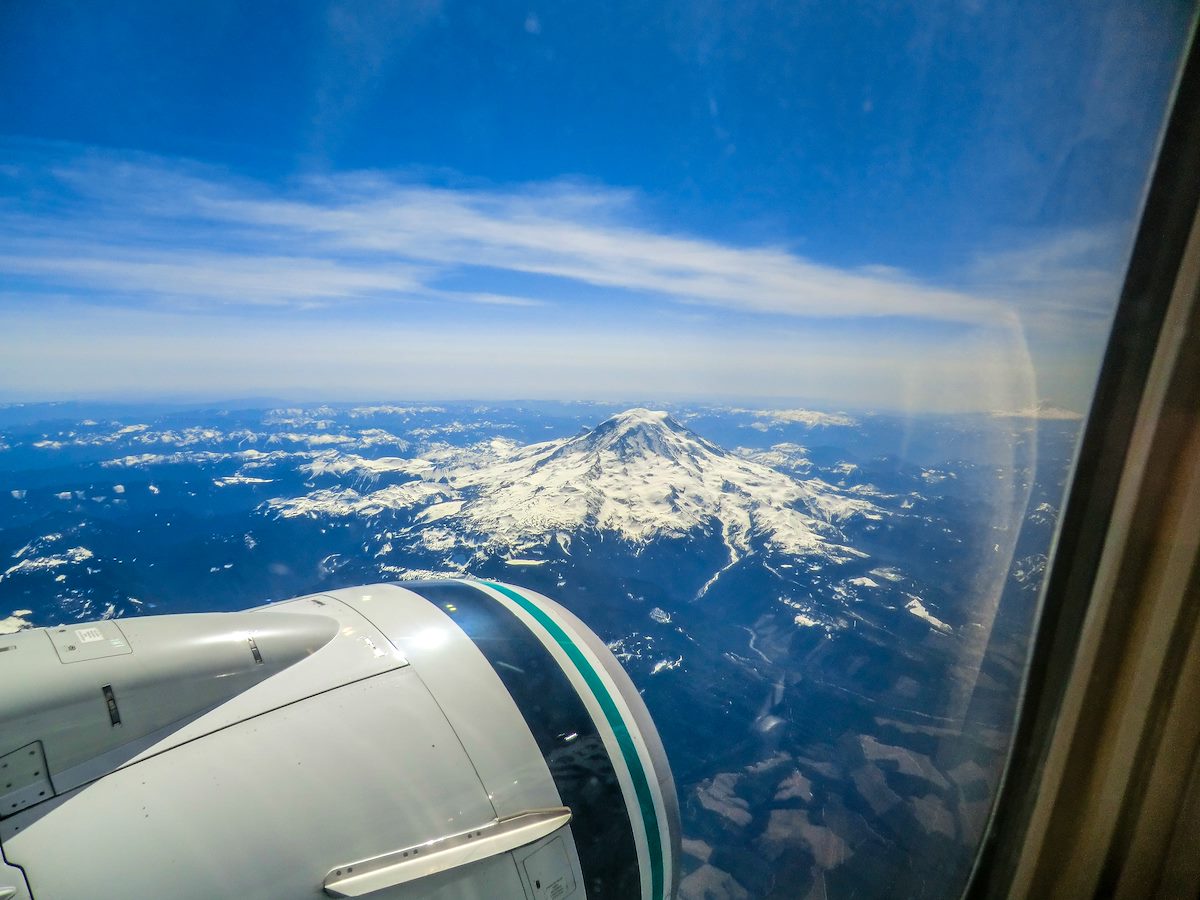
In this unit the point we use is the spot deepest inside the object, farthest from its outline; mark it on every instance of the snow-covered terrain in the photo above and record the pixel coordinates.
(1043, 409)
(15, 621)
(810, 418)
(639, 475)
(70, 557)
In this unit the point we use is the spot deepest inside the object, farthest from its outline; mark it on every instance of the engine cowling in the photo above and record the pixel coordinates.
(431, 739)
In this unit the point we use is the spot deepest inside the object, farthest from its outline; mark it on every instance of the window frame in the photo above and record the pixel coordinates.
(1049, 835)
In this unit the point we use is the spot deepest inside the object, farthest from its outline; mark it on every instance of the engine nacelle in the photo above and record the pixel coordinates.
(445, 739)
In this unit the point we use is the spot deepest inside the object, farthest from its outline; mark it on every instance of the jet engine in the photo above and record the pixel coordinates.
(436, 739)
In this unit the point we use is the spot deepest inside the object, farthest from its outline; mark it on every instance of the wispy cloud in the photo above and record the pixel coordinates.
(201, 274)
(575, 233)
(151, 228)
(577, 275)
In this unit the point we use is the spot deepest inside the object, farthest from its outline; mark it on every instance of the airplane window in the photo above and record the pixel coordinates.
(759, 338)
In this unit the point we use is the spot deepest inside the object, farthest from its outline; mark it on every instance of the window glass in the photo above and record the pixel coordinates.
(758, 335)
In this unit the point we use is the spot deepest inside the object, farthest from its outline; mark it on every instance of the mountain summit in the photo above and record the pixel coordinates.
(644, 432)
(639, 434)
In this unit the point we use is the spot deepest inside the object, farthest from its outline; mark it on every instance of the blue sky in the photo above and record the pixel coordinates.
(882, 205)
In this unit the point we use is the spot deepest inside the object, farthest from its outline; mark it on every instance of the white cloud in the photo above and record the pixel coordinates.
(202, 274)
(350, 284)
(574, 233)
(153, 228)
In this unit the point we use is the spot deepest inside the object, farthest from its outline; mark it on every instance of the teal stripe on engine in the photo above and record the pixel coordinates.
(641, 784)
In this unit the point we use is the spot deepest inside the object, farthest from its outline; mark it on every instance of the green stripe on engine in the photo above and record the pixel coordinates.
(641, 784)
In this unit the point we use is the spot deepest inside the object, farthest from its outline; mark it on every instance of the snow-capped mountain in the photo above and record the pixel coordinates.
(639, 475)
